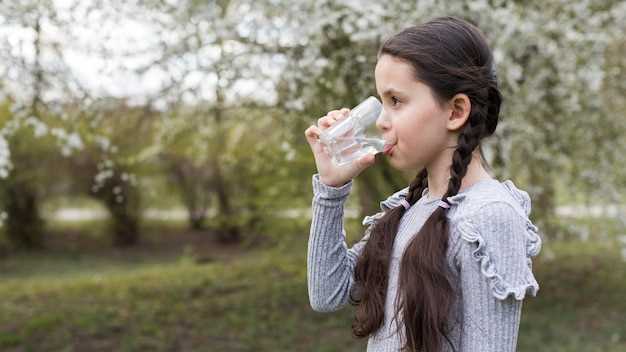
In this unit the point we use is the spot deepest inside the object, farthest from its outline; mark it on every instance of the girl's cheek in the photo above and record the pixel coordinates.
(428, 113)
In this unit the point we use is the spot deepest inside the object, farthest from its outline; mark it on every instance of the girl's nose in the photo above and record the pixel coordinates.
(382, 122)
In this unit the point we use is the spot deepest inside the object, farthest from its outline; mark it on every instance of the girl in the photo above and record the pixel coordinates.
(446, 264)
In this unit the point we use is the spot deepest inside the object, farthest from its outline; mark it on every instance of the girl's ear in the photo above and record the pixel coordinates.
(460, 107)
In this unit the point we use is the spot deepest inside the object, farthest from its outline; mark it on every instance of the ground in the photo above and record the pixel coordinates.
(182, 291)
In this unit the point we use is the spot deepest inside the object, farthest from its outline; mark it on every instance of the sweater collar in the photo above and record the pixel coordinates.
(395, 199)
(520, 196)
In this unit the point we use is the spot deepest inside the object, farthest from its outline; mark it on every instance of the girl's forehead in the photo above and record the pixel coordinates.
(393, 75)
(391, 65)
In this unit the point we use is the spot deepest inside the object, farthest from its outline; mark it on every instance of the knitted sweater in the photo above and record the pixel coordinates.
(490, 243)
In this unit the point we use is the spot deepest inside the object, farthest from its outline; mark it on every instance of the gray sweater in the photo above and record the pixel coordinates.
(491, 243)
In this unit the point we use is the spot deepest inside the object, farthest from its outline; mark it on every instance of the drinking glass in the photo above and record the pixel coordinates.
(356, 135)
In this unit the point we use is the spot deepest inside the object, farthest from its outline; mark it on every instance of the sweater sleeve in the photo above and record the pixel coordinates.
(495, 273)
(330, 264)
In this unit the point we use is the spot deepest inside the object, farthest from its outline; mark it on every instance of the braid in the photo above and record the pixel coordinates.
(469, 139)
(417, 186)
(493, 111)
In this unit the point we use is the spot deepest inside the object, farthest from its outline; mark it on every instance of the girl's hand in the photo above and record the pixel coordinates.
(329, 173)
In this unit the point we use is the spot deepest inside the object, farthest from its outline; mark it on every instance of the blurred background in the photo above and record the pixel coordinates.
(155, 182)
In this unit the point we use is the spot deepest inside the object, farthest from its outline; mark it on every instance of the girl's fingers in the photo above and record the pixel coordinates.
(335, 114)
(332, 117)
(328, 120)
(324, 122)
(312, 134)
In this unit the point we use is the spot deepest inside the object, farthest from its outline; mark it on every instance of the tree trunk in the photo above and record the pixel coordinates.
(196, 219)
(125, 225)
(227, 229)
(191, 181)
(124, 209)
(24, 225)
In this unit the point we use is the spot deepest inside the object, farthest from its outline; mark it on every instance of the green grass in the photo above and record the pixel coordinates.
(259, 302)
(77, 249)
(581, 304)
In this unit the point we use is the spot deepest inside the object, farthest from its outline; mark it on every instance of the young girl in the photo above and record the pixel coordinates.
(446, 264)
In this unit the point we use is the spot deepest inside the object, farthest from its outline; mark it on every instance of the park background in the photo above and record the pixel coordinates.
(155, 182)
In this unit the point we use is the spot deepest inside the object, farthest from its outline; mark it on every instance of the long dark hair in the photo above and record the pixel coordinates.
(451, 56)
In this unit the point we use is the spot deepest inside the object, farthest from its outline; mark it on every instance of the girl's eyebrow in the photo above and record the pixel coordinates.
(390, 91)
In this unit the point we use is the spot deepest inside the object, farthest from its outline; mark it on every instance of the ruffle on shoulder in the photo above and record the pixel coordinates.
(533, 245)
(519, 195)
(502, 288)
(372, 219)
(391, 202)
(394, 200)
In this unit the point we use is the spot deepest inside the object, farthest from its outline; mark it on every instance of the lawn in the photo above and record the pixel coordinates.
(256, 299)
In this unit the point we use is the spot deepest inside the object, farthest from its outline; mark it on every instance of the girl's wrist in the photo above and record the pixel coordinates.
(333, 184)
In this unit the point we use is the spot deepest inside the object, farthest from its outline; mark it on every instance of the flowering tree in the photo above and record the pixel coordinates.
(214, 73)
(37, 85)
(552, 63)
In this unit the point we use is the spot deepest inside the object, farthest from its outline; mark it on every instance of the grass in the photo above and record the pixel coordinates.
(257, 300)
(580, 305)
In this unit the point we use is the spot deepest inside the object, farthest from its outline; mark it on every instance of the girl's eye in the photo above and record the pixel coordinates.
(395, 100)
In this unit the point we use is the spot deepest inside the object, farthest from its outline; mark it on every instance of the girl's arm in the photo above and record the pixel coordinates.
(330, 264)
(495, 273)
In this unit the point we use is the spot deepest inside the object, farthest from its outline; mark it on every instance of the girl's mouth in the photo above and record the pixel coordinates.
(388, 149)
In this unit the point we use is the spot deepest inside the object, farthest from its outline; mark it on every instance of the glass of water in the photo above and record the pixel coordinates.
(356, 135)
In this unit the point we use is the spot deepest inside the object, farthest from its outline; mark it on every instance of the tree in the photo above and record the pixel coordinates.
(549, 60)
(30, 57)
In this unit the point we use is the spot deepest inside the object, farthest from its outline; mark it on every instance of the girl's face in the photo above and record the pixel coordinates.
(412, 120)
